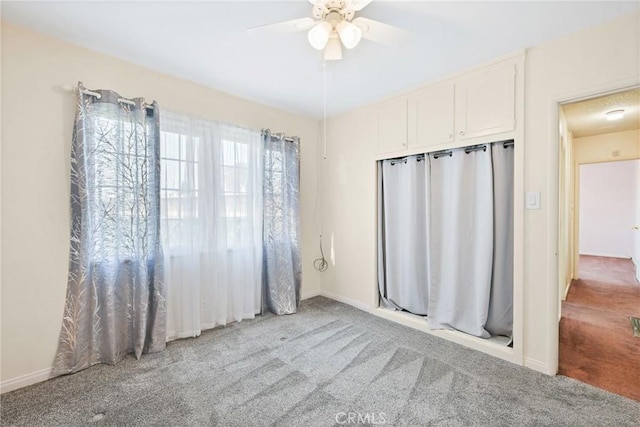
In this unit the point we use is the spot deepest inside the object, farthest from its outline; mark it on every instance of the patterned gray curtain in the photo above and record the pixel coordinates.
(282, 270)
(115, 301)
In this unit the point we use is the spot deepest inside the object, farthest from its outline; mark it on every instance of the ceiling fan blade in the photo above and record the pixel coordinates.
(358, 4)
(379, 32)
(317, 2)
(292, 26)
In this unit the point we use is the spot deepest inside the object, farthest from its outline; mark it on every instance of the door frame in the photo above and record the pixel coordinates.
(556, 168)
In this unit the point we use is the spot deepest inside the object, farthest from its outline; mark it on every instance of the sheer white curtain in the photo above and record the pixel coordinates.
(211, 199)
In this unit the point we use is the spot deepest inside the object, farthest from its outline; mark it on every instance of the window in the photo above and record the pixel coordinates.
(235, 177)
(206, 185)
(121, 174)
(178, 186)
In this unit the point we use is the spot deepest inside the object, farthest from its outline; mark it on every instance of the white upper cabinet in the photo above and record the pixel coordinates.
(431, 116)
(392, 126)
(485, 101)
(463, 110)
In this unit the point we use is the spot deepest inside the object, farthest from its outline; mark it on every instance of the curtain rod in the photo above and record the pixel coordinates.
(121, 100)
(419, 158)
(394, 162)
(97, 95)
(281, 135)
(467, 150)
(482, 147)
(444, 153)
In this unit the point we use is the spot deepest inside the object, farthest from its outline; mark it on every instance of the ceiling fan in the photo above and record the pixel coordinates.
(334, 25)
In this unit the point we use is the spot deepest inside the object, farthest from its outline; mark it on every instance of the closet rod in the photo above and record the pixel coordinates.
(442, 154)
(449, 153)
(419, 158)
(475, 148)
(396, 161)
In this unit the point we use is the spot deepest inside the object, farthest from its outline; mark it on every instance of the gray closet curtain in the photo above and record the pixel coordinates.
(461, 230)
(282, 270)
(403, 206)
(115, 301)
(445, 238)
(500, 317)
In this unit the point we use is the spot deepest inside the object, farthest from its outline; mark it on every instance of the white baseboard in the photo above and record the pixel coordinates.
(536, 365)
(607, 255)
(310, 294)
(566, 290)
(494, 349)
(25, 380)
(349, 301)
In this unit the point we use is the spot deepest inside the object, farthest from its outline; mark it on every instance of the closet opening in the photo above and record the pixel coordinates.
(446, 239)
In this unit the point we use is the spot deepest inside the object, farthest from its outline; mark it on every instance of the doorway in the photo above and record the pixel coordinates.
(599, 248)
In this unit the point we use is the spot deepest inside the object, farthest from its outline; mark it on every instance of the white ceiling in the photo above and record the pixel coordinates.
(588, 118)
(207, 42)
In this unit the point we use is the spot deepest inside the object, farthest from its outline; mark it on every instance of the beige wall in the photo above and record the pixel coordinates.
(599, 59)
(36, 135)
(349, 207)
(614, 146)
(608, 147)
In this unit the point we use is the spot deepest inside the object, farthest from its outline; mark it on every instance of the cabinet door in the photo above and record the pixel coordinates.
(432, 109)
(392, 126)
(485, 102)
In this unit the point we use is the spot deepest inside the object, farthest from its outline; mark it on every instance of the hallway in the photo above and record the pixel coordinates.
(597, 345)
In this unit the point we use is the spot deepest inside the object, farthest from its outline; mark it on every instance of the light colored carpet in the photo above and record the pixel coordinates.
(315, 368)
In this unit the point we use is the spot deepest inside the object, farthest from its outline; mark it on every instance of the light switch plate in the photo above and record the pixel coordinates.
(532, 200)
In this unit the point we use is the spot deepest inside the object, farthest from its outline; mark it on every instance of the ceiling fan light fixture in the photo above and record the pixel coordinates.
(333, 51)
(615, 115)
(350, 34)
(318, 36)
(333, 25)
